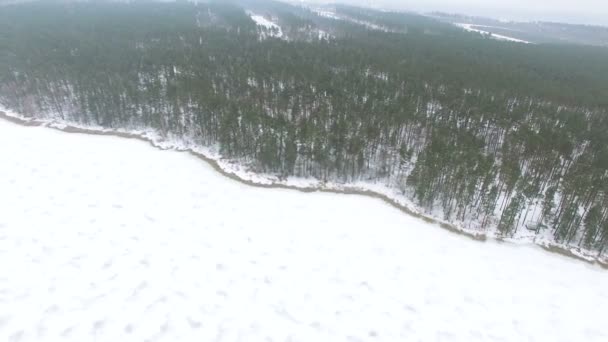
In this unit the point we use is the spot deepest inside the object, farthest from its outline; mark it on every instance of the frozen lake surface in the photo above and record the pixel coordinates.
(108, 239)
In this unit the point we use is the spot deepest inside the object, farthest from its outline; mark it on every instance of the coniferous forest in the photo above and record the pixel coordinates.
(498, 135)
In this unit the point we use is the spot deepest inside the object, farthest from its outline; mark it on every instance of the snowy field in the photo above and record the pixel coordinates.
(473, 28)
(108, 239)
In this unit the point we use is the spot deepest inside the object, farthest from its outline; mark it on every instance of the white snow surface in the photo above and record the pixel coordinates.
(323, 12)
(326, 13)
(274, 29)
(109, 239)
(472, 28)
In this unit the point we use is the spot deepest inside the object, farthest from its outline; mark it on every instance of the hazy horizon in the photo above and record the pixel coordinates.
(589, 12)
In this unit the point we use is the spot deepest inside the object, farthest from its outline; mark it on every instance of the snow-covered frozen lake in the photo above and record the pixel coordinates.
(108, 239)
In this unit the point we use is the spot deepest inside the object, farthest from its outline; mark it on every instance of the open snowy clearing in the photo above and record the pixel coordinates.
(273, 29)
(108, 239)
(332, 15)
(472, 28)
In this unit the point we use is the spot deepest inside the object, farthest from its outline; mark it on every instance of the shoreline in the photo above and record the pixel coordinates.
(215, 165)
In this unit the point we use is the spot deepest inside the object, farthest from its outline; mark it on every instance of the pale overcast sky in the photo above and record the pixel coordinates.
(574, 11)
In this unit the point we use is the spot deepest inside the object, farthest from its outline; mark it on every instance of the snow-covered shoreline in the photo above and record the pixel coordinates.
(239, 173)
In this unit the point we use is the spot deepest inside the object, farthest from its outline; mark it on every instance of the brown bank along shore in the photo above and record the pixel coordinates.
(478, 236)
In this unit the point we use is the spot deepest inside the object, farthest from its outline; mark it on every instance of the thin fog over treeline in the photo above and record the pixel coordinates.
(587, 12)
(590, 12)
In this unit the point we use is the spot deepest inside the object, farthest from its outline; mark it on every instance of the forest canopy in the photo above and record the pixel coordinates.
(497, 135)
